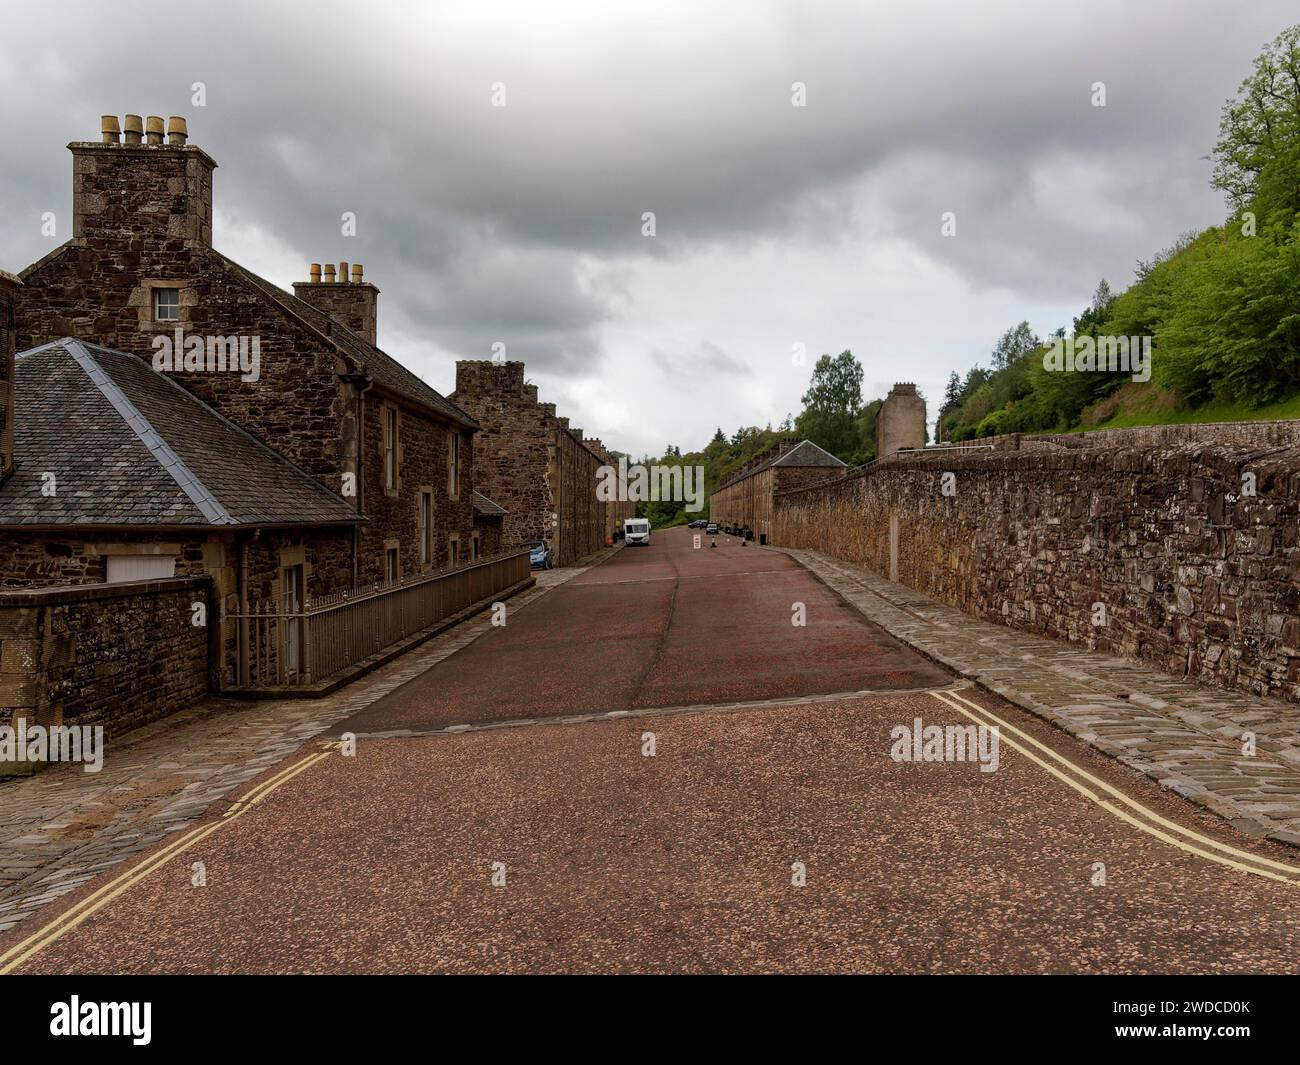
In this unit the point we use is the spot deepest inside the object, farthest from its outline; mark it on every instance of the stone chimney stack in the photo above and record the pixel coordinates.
(9, 288)
(129, 184)
(345, 296)
(900, 422)
(478, 380)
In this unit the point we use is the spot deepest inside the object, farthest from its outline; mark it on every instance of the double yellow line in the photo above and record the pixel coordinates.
(1139, 816)
(92, 903)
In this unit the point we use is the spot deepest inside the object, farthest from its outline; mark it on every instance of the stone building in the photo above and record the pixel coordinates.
(743, 503)
(155, 484)
(531, 462)
(616, 510)
(205, 481)
(140, 273)
(900, 422)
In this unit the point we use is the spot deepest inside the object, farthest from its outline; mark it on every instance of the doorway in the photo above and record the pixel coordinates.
(291, 609)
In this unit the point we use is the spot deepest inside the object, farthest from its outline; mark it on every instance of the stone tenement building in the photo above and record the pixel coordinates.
(180, 436)
(140, 265)
(743, 502)
(616, 510)
(541, 471)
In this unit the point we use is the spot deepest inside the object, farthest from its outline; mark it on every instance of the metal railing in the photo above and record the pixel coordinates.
(280, 647)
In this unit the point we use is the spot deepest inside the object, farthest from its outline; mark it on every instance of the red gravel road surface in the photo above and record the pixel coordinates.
(615, 861)
(673, 842)
(664, 625)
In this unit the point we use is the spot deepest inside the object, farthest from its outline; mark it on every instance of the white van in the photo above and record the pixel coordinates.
(636, 531)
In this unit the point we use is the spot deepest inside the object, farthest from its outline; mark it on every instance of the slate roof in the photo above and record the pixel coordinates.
(485, 506)
(382, 367)
(804, 453)
(128, 446)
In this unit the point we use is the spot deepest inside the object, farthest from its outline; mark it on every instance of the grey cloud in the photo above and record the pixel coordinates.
(708, 360)
(474, 221)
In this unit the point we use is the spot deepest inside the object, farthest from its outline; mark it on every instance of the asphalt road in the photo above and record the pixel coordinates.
(773, 837)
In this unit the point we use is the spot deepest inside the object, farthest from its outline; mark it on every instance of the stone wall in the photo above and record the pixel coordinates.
(393, 514)
(1186, 556)
(488, 529)
(117, 655)
(42, 559)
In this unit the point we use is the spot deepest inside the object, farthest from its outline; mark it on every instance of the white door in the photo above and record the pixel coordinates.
(292, 625)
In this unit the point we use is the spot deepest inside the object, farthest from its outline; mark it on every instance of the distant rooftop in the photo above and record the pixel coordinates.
(804, 453)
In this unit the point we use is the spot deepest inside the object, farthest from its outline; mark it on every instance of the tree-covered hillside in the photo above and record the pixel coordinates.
(1222, 306)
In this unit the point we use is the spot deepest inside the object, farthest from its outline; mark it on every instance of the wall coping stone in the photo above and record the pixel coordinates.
(76, 593)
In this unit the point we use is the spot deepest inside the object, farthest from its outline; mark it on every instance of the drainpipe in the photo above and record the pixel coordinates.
(244, 656)
(366, 384)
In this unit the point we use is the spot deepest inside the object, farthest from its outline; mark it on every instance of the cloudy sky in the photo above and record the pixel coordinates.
(776, 226)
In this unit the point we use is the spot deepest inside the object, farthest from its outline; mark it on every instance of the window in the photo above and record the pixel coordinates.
(453, 466)
(167, 304)
(426, 526)
(474, 548)
(139, 568)
(390, 448)
(453, 551)
(390, 565)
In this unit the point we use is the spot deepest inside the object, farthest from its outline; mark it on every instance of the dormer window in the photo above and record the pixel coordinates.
(166, 305)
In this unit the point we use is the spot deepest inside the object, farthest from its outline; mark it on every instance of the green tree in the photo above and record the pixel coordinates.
(1258, 150)
(1013, 345)
(832, 404)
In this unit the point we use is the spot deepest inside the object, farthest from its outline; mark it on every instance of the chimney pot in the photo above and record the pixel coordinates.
(343, 273)
(177, 130)
(153, 130)
(134, 129)
(108, 129)
(356, 273)
(329, 273)
(315, 273)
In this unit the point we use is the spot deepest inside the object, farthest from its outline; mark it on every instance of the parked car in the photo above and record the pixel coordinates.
(539, 554)
(712, 528)
(637, 531)
(699, 523)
